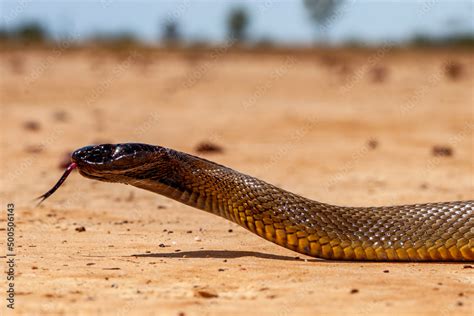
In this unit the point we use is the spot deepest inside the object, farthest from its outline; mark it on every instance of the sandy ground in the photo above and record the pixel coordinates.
(350, 128)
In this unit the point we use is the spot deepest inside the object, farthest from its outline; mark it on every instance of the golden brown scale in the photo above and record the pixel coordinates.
(420, 232)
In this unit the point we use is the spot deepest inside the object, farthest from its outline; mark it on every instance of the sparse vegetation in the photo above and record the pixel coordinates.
(121, 40)
(452, 40)
(322, 13)
(26, 34)
(237, 23)
(171, 34)
(4, 35)
(31, 32)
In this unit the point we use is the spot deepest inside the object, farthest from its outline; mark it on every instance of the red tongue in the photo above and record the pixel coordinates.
(70, 168)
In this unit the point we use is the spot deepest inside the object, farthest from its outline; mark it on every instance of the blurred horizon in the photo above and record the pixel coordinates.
(277, 22)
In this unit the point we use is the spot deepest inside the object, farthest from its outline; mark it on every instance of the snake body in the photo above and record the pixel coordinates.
(418, 232)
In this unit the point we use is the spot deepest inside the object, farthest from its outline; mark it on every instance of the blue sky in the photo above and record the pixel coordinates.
(281, 21)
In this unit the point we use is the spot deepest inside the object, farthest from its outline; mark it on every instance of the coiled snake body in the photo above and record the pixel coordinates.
(419, 232)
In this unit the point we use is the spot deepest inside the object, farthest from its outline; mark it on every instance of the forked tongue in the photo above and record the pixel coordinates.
(69, 168)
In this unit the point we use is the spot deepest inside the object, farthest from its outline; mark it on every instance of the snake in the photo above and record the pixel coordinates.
(442, 231)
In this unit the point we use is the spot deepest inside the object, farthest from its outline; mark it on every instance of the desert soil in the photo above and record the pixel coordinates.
(345, 127)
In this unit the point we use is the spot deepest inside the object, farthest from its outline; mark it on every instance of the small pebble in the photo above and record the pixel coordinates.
(60, 116)
(378, 74)
(453, 70)
(32, 126)
(34, 149)
(205, 294)
(442, 151)
(373, 143)
(208, 147)
(424, 186)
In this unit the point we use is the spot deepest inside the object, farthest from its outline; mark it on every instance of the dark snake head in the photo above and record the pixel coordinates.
(116, 162)
(128, 163)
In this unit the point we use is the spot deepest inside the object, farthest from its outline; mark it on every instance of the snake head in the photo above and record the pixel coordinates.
(112, 162)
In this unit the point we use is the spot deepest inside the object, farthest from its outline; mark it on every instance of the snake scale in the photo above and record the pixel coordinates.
(418, 232)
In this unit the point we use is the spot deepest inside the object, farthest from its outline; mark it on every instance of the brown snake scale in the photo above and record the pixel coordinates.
(419, 232)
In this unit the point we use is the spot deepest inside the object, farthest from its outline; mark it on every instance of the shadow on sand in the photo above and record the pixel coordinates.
(220, 254)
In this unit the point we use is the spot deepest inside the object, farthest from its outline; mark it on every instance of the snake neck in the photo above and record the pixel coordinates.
(205, 185)
(225, 192)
